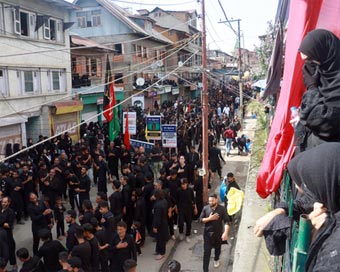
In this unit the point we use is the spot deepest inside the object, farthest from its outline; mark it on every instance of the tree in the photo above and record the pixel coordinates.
(264, 51)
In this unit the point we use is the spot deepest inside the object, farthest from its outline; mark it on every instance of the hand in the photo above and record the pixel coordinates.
(155, 230)
(262, 222)
(318, 215)
(213, 217)
(311, 76)
(195, 210)
(224, 236)
(122, 245)
(102, 220)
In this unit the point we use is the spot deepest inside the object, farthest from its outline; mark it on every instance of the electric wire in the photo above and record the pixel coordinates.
(92, 117)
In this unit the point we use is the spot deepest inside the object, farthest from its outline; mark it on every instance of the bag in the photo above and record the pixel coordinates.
(223, 189)
(138, 239)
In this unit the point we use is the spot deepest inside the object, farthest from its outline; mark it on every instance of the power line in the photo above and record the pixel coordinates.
(85, 121)
(97, 86)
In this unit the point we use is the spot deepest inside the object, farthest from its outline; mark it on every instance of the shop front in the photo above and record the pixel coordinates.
(12, 131)
(65, 116)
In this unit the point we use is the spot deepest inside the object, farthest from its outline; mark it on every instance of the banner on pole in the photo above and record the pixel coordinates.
(147, 146)
(169, 136)
(132, 122)
(153, 124)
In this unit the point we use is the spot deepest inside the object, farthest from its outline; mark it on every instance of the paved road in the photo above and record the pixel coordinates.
(190, 255)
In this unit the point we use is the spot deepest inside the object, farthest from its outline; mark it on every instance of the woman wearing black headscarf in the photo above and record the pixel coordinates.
(318, 170)
(320, 106)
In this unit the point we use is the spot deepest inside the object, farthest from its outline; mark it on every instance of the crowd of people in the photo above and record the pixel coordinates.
(153, 193)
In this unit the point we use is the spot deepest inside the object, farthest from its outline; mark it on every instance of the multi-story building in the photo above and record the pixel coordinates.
(139, 51)
(35, 71)
(181, 28)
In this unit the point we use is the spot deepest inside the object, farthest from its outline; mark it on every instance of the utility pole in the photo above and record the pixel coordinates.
(239, 62)
(205, 109)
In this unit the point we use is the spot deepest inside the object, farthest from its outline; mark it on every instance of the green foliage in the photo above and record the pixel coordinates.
(261, 135)
(264, 51)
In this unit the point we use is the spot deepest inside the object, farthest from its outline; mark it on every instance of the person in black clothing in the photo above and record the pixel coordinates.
(216, 229)
(140, 213)
(16, 192)
(116, 201)
(29, 263)
(192, 158)
(131, 177)
(123, 248)
(28, 187)
(113, 155)
(214, 159)
(84, 187)
(87, 212)
(59, 210)
(49, 251)
(82, 250)
(127, 201)
(198, 188)
(7, 217)
(70, 219)
(63, 260)
(102, 171)
(160, 223)
(173, 185)
(73, 183)
(92, 239)
(99, 198)
(103, 244)
(147, 190)
(108, 221)
(230, 182)
(41, 216)
(186, 208)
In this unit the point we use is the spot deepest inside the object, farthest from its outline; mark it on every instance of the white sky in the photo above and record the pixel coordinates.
(254, 15)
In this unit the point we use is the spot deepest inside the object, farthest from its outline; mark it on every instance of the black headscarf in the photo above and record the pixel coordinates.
(324, 47)
(319, 169)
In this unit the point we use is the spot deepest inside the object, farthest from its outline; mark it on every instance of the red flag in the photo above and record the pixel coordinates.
(109, 93)
(126, 132)
(305, 15)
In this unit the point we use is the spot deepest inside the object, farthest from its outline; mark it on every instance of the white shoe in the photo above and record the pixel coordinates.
(187, 239)
(173, 237)
(175, 227)
(216, 263)
(181, 237)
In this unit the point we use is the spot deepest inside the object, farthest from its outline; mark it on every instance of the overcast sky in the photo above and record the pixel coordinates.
(254, 15)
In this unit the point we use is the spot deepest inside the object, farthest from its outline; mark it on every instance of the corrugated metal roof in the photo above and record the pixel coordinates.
(62, 3)
(81, 41)
(123, 16)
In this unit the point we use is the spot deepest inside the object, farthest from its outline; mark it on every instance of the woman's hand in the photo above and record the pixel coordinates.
(318, 215)
(262, 222)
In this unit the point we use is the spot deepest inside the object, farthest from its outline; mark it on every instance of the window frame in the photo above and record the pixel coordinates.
(36, 80)
(4, 82)
(61, 80)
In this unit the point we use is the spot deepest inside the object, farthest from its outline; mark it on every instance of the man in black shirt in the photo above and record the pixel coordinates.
(49, 251)
(29, 263)
(82, 250)
(116, 202)
(70, 219)
(89, 236)
(216, 230)
(41, 217)
(84, 186)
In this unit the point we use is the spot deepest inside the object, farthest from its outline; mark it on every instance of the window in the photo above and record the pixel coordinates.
(81, 19)
(56, 80)
(118, 78)
(144, 52)
(50, 29)
(3, 83)
(93, 67)
(118, 49)
(21, 22)
(30, 81)
(96, 18)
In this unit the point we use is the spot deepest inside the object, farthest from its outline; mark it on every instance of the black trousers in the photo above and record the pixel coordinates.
(160, 244)
(73, 199)
(184, 217)
(211, 240)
